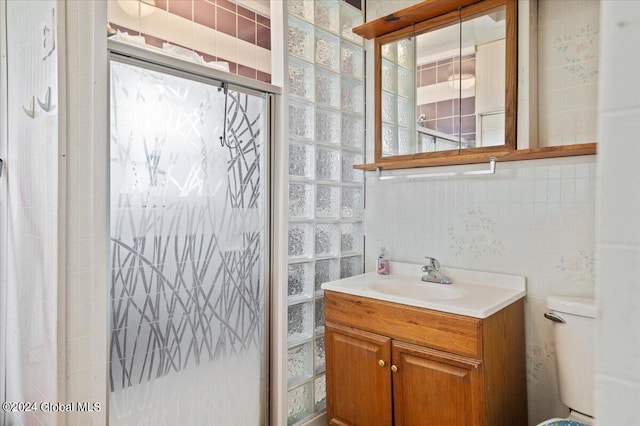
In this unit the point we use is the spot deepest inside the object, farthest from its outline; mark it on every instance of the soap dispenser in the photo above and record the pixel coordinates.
(383, 262)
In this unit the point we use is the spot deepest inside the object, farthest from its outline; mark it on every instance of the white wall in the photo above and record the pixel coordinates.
(618, 203)
(533, 218)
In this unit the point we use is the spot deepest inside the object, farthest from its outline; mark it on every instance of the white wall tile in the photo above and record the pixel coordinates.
(619, 130)
(620, 55)
(617, 402)
(247, 53)
(554, 189)
(567, 51)
(204, 39)
(156, 24)
(117, 14)
(618, 377)
(180, 29)
(619, 341)
(227, 47)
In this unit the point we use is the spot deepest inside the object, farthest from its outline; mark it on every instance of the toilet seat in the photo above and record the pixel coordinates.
(561, 422)
(580, 418)
(574, 419)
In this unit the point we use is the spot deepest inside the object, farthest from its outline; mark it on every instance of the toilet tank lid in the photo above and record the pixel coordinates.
(573, 305)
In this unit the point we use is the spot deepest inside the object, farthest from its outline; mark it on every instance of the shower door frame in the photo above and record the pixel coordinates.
(147, 59)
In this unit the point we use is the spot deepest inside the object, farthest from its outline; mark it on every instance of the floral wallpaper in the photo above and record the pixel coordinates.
(578, 266)
(475, 235)
(579, 49)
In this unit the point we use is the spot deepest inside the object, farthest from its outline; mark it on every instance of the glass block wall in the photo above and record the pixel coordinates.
(326, 195)
(398, 100)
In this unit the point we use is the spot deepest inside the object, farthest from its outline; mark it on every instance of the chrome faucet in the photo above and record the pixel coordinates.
(433, 275)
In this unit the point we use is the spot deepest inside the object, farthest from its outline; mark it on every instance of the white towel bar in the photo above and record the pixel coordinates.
(490, 171)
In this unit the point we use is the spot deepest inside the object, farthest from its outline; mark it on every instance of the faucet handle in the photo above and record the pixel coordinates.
(433, 262)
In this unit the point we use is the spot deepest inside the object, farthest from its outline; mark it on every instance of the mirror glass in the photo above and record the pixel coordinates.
(444, 89)
(398, 97)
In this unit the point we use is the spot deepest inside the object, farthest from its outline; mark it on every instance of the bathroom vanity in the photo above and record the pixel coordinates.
(403, 352)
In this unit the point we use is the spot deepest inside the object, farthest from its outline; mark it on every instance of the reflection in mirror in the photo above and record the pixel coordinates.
(460, 100)
(485, 36)
(439, 87)
(398, 97)
(454, 89)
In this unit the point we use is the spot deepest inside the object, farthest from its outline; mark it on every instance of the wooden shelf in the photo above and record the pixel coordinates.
(411, 15)
(483, 157)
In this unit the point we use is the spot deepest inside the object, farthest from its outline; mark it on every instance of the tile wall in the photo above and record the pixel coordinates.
(533, 218)
(217, 30)
(617, 232)
(568, 51)
(444, 116)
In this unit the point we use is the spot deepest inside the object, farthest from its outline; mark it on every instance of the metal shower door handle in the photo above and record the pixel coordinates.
(1, 166)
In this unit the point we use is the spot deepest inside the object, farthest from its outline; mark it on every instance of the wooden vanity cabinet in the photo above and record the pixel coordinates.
(391, 364)
(361, 379)
(435, 388)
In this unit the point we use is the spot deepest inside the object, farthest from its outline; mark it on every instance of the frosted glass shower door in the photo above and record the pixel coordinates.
(188, 243)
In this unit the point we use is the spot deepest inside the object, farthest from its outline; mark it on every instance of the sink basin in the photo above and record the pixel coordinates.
(477, 294)
(422, 291)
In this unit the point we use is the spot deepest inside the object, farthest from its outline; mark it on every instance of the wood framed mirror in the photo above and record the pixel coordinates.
(446, 86)
(477, 119)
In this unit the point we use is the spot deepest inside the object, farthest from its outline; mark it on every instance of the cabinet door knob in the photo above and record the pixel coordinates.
(381, 363)
(394, 368)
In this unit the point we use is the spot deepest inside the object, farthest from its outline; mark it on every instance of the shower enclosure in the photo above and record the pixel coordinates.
(189, 248)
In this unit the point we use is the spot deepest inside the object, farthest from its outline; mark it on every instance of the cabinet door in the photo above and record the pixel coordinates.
(436, 388)
(358, 377)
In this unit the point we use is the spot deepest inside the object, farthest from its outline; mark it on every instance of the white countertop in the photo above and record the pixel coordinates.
(473, 293)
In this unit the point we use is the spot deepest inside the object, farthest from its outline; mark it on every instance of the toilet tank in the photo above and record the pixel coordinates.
(575, 350)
